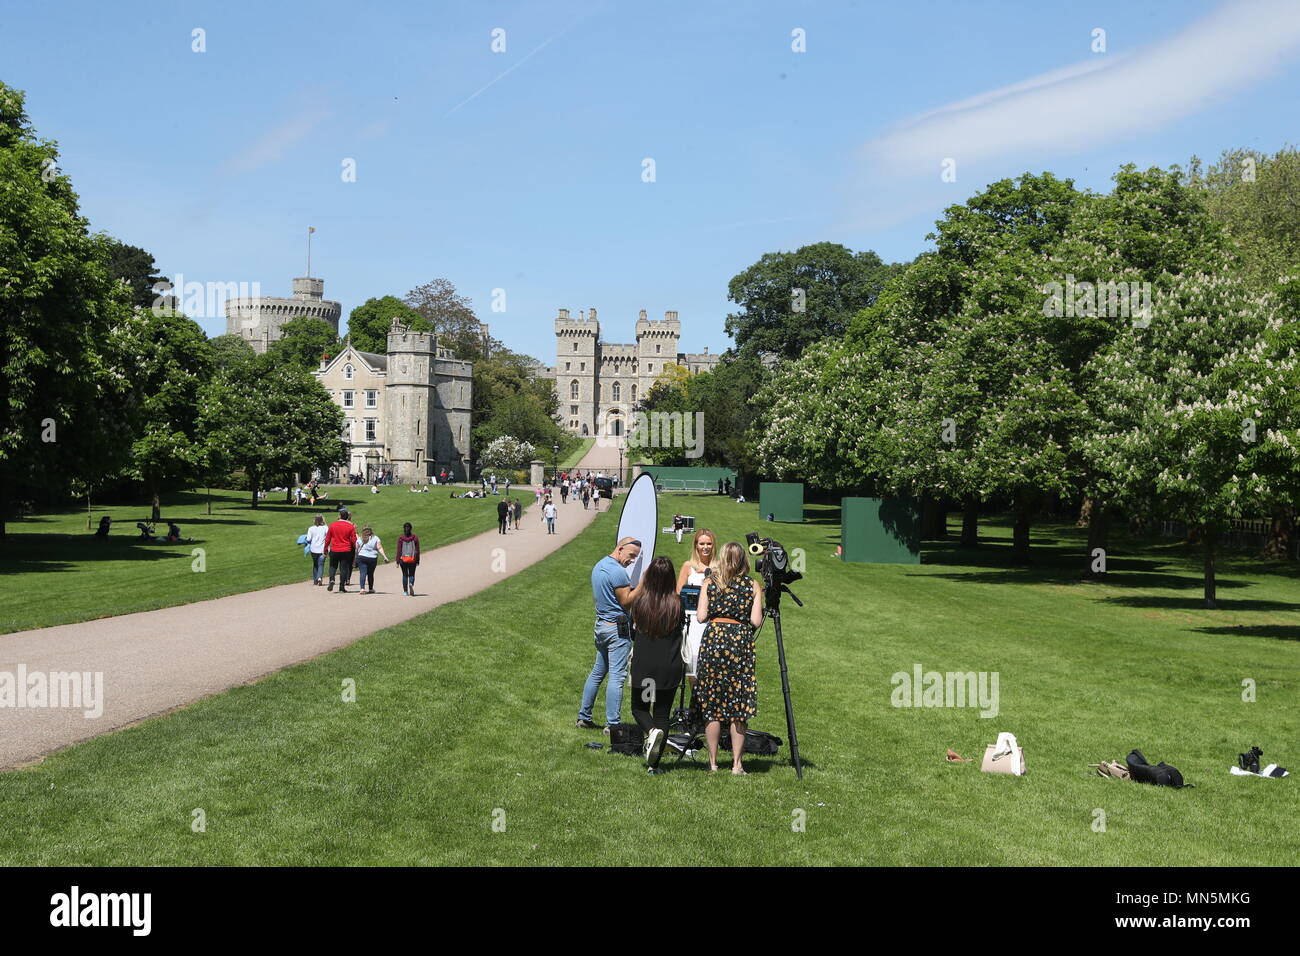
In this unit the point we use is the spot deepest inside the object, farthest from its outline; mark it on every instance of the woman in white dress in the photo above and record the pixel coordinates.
(703, 558)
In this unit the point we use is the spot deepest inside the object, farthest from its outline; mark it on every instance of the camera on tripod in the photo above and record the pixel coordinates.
(774, 566)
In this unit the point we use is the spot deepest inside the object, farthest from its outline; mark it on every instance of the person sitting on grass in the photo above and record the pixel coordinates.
(657, 664)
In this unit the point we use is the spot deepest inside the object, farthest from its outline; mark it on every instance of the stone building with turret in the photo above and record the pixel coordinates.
(599, 383)
(408, 410)
(257, 320)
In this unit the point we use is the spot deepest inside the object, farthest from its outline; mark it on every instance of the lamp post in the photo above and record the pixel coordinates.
(555, 462)
(619, 482)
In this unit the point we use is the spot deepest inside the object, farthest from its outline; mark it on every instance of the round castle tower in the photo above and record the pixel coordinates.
(258, 320)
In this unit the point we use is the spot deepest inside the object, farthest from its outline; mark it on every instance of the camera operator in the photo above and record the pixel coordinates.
(731, 605)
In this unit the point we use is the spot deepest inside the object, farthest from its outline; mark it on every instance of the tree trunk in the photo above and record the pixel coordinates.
(970, 518)
(1207, 542)
(1020, 532)
(1085, 514)
(1281, 528)
(934, 518)
(209, 501)
(4, 509)
(156, 500)
(255, 484)
(1098, 537)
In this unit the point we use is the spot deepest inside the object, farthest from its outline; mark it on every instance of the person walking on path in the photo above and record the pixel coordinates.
(316, 545)
(612, 592)
(657, 664)
(731, 605)
(341, 542)
(586, 496)
(548, 512)
(503, 512)
(408, 558)
(518, 511)
(564, 491)
(369, 550)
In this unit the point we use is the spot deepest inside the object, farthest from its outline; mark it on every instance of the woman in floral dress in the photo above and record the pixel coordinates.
(731, 604)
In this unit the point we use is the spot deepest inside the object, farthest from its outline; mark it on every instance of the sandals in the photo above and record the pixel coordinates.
(953, 757)
(1111, 768)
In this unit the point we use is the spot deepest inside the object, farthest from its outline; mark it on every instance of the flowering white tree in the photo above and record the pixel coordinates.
(507, 452)
(1196, 414)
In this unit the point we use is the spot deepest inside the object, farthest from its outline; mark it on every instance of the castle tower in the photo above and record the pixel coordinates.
(410, 400)
(257, 319)
(577, 366)
(656, 346)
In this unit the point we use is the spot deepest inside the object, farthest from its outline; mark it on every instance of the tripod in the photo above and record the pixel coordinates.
(772, 609)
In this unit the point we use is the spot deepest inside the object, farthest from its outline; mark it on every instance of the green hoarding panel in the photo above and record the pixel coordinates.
(781, 499)
(677, 478)
(881, 530)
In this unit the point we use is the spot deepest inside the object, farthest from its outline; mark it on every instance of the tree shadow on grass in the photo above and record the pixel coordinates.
(64, 552)
(1282, 632)
(1198, 603)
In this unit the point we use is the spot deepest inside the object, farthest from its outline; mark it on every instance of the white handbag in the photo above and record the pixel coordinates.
(1005, 756)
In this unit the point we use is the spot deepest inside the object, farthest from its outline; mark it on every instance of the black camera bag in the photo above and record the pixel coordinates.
(1160, 775)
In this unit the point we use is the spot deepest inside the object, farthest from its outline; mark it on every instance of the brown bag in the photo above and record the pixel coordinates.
(1005, 756)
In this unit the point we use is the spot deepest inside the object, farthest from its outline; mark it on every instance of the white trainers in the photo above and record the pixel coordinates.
(654, 747)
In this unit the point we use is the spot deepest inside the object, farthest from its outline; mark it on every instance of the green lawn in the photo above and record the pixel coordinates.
(571, 460)
(466, 714)
(52, 571)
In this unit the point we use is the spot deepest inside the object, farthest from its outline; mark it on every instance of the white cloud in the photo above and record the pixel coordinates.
(271, 146)
(1104, 99)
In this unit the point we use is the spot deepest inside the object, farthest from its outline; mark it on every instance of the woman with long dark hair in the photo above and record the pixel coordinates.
(657, 657)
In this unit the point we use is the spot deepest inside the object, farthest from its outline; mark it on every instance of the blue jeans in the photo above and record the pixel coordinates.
(367, 568)
(612, 653)
(317, 566)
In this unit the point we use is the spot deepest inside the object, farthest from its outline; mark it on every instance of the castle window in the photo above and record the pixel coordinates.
(634, 392)
(582, 366)
(349, 398)
(650, 367)
(573, 409)
(575, 346)
(568, 365)
(618, 391)
(573, 389)
(347, 372)
(657, 349)
(370, 429)
(372, 398)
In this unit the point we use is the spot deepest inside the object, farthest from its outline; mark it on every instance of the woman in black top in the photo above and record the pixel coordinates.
(657, 656)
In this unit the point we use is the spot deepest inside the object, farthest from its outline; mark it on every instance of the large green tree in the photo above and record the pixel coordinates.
(271, 420)
(451, 316)
(169, 361)
(61, 397)
(136, 268)
(368, 323)
(304, 342)
(789, 300)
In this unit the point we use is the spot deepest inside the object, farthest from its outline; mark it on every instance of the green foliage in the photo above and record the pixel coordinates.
(835, 282)
(510, 400)
(136, 268)
(168, 361)
(449, 314)
(368, 323)
(228, 349)
(304, 342)
(272, 420)
(1254, 196)
(62, 400)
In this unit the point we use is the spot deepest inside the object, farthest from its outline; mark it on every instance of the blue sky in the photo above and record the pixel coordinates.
(522, 170)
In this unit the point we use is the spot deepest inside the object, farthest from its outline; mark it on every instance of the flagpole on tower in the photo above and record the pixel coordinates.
(310, 230)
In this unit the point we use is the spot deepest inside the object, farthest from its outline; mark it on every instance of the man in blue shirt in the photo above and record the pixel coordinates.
(612, 590)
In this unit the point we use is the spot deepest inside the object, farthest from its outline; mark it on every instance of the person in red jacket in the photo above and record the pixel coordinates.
(341, 545)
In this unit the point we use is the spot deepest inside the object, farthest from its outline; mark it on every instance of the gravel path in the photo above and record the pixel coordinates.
(155, 661)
